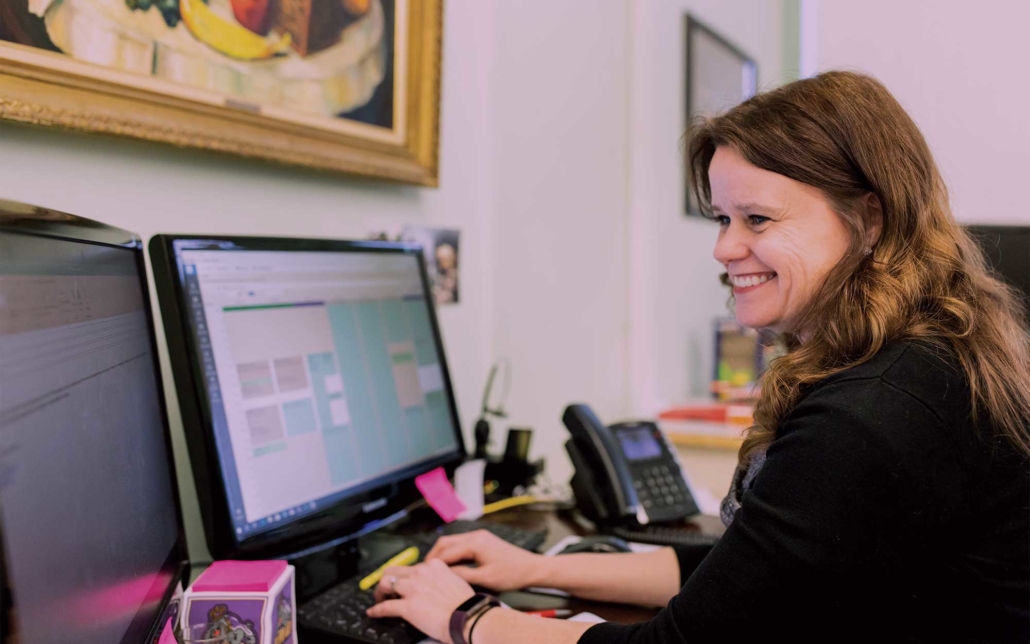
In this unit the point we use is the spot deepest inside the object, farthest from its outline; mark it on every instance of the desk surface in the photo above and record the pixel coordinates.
(560, 525)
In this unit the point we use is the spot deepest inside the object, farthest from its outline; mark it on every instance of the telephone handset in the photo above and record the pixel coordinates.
(625, 474)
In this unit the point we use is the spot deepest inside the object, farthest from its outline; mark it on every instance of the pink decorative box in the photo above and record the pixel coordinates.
(252, 602)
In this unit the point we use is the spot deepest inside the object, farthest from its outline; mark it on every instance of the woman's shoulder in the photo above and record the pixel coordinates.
(908, 397)
(895, 416)
(912, 371)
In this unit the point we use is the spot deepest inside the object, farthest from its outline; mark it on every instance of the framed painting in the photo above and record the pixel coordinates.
(719, 76)
(343, 85)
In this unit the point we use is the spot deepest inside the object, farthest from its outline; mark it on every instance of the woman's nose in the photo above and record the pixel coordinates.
(731, 246)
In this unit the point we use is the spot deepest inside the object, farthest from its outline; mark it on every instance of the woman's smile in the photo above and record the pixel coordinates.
(749, 282)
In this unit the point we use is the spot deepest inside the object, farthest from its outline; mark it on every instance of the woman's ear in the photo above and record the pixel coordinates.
(873, 220)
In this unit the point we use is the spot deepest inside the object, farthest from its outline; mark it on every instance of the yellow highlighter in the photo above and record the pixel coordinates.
(406, 557)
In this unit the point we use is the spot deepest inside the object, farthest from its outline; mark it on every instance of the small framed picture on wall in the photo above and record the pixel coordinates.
(719, 75)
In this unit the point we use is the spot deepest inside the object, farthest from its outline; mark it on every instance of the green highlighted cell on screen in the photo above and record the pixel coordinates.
(230, 309)
(269, 449)
(403, 358)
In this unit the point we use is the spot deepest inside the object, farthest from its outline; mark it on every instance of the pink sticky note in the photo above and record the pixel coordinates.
(240, 576)
(440, 494)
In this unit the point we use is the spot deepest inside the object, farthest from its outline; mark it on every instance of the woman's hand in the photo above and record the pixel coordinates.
(425, 595)
(500, 565)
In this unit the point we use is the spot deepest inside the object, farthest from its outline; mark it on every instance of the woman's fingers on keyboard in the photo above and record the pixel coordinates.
(429, 593)
(387, 608)
(451, 552)
(443, 542)
(389, 582)
(473, 576)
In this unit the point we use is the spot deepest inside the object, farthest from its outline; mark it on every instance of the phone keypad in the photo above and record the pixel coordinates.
(661, 490)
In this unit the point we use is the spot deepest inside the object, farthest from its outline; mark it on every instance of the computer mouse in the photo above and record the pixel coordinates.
(597, 543)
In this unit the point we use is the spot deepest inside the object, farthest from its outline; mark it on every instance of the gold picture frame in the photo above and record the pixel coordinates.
(54, 89)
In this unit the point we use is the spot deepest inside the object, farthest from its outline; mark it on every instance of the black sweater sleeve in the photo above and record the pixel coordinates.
(689, 558)
(828, 505)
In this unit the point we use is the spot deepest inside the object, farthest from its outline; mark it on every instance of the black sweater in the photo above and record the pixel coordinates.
(881, 514)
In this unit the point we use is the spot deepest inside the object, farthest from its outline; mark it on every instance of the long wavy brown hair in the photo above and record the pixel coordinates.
(925, 279)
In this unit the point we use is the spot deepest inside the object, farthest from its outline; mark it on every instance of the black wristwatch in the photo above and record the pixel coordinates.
(470, 609)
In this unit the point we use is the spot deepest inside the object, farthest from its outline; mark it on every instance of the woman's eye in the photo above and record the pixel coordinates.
(722, 220)
(757, 220)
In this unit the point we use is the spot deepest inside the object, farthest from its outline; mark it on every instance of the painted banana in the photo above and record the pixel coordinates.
(227, 37)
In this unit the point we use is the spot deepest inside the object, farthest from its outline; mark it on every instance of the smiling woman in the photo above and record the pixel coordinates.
(862, 230)
(884, 493)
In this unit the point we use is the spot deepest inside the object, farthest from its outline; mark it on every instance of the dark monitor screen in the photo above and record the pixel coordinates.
(321, 372)
(1007, 249)
(89, 518)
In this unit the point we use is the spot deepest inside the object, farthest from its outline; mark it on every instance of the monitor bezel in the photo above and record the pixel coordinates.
(335, 524)
(25, 219)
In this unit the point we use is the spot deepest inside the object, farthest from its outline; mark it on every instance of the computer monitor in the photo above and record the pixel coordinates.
(91, 546)
(1007, 249)
(312, 384)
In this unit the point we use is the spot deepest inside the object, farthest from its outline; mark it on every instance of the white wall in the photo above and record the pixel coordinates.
(604, 291)
(560, 202)
(675, 291)
(960, 70)
(149, 189)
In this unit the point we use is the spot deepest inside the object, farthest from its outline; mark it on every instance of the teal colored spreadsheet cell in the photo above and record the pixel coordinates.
(299, 416)
(419, 430)
(395, 318)
(421, 332)
(321, 363)
(322, 366)
(384, 390)
(339, 451)
(347, 339)
(439, 416)
(380, 433)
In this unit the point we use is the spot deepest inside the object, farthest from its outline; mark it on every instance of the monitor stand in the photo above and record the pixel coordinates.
(319, 571)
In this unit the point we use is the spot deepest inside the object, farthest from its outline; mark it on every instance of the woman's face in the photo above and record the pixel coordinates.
(778, 239)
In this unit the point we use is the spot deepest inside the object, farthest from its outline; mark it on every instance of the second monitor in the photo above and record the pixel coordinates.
(312, 383)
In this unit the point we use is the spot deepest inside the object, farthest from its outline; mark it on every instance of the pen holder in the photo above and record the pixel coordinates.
(245, 602)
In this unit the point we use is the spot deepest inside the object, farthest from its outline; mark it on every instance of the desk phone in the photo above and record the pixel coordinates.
(626, 474)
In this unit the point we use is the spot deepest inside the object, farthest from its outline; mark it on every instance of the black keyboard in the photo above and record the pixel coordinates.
(338, 614)
(665, 536)
(526, 539)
